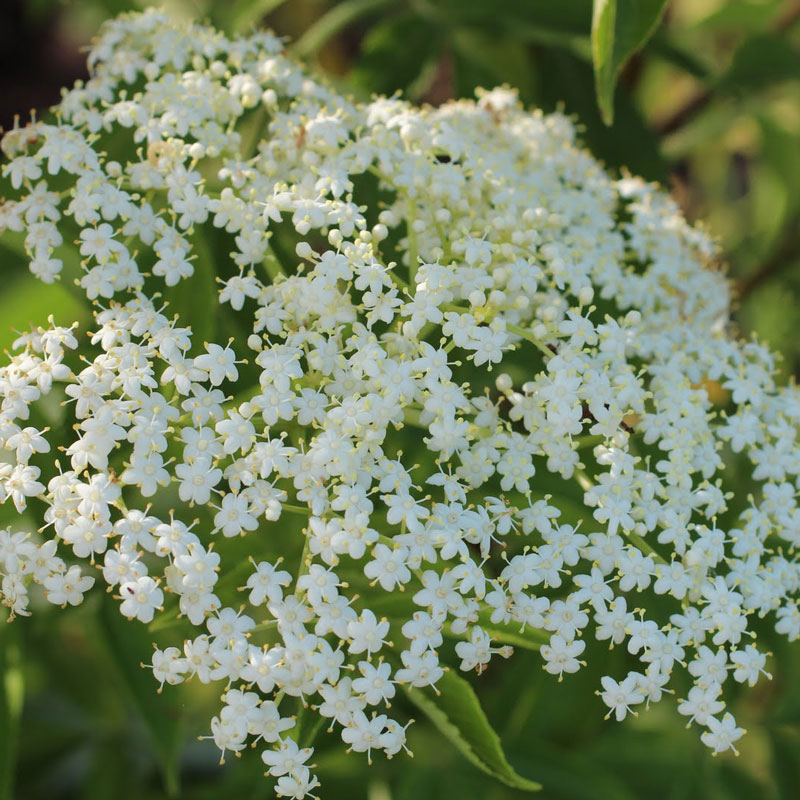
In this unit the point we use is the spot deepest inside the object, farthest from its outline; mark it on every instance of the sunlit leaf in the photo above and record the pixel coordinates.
(619, 29)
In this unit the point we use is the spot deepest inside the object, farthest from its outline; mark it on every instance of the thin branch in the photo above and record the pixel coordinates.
(684, 114)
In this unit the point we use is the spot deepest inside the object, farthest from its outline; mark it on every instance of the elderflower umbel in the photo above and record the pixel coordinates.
(509, 315)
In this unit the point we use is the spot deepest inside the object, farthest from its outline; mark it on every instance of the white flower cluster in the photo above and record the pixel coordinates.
(495, 241)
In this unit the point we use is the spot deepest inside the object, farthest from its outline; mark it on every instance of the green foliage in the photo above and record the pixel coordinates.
(457, 713)
(705, 95)
(619, 29)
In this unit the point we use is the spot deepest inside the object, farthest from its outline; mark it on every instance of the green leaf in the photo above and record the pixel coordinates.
(12, 694)
(619, 29)
(457, 713)
(630, 143)
(127, 644)
(330, 23)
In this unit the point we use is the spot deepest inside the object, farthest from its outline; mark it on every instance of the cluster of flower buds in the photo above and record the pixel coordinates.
(464, 382)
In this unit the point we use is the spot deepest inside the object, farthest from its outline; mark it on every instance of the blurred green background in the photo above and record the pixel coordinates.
(710, 108)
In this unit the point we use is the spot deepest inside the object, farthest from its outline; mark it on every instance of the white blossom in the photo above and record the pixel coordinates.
(365, 395)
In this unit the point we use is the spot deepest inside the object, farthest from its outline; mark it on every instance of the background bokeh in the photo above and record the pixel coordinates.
(711, 109)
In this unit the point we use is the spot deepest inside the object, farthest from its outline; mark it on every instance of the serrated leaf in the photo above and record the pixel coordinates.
(619, 29)
(458, 715)
(127, 645)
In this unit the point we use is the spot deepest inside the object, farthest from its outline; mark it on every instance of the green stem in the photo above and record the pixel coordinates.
(304, 511)
(443, 239)
(165, 620)
(399, 282)
(528, 336)
(584, 481)
(265, 626)
(412, 417)
(583, 442)
(645, 547)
